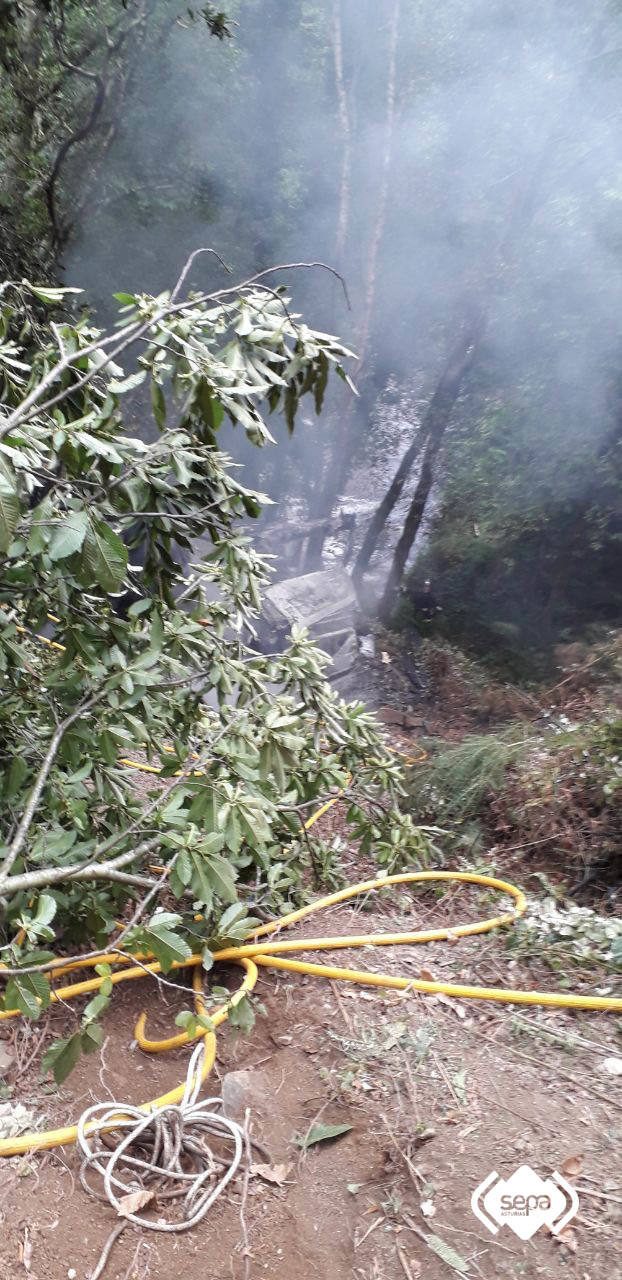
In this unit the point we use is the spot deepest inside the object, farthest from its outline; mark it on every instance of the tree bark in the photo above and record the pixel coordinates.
(340, 457)
(460, 359)
(343, 217)
(382, 512)
(108, 86)
(447, 390)
(433, 430)
(19, 145)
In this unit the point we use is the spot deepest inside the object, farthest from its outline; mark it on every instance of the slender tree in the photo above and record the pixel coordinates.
(340, 453)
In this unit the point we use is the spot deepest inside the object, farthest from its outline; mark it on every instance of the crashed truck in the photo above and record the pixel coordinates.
(325, 604)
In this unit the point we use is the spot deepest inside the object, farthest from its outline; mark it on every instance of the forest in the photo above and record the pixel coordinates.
(310, 601)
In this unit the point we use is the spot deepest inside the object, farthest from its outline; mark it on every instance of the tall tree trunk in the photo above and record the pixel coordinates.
(116, 85)
(383, 192)
(441, 406)
(438, 413)
(19, 144)
(340, 454)
(433, 430)
(343, 112)
(391, 498)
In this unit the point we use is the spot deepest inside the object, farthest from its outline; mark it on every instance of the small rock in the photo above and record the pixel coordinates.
(390, 715)
(612, 1066)
(242, 1090)
(402, 718)
(345, 657)
(367, 646)
(15, 1119)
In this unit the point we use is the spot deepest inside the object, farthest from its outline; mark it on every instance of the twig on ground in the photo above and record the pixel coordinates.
(131, 1269)
(442, 1071)
(503, 1106)
(569, 1037)
(314, 1121)
(579, 1084)
(342, 1009)
(246, 1253)
(103, 1067)
(462, 1231)
(414, 1172)
(107, 1250)
(405, 1267)
(375, 1224)
(600, 1195)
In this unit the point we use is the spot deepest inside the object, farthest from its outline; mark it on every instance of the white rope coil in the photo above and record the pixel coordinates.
(165, 1151)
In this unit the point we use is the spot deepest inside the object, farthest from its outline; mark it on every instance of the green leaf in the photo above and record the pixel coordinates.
(37, 957)
(28, 992)
(105, 556)
(140, 606)
(134, 379)
(108, 747)
(187, 1021)
(449, 1255)
(234, 913)
(199, 882)
(211, 410)
(178, 796)
(320, 382)
(62, 1057)
(9, 517)
(15, 777)
(46, 910)
(96, 1006)
(212, 843)
(167, 946)
(183, 867)
(158, 403)
(321, 1133)
(92, 1037)
(80, 774)
(220, 875)
(68, 537)
(242, 1015)
(51, 295)
(101, 448)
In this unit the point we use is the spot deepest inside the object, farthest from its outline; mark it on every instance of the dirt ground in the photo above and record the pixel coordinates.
(438, 1093)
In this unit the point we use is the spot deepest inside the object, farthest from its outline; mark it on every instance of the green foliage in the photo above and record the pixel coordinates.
(568, 935)
(193, 1022)
(160, 938)
(244, 738)
(215, 20)
(552, 785)
(453, 784)
(524, 544)
(67, 74)
(63, 1055)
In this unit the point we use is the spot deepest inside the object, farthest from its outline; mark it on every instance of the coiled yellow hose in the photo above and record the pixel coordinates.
(272, 955)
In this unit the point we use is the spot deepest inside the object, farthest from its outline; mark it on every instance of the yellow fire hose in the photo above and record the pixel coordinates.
(271, 955)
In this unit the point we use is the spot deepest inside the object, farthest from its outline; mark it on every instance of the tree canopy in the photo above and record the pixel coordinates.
(129, 590)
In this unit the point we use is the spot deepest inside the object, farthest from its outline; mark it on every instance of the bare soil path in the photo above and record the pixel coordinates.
(438, 1095)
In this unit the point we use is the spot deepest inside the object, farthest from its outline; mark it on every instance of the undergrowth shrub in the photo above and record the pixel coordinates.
(554, 789)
